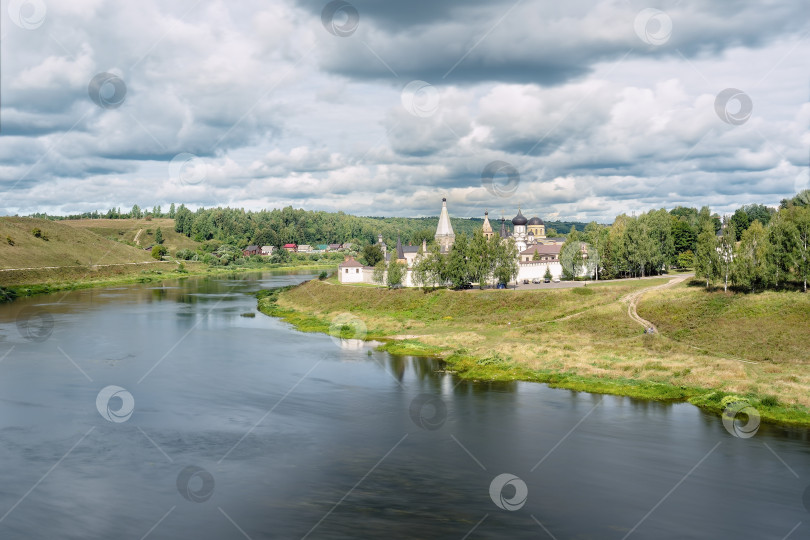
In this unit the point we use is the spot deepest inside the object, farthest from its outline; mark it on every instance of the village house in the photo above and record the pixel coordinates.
(292, 248)
(251, 250)
(268, 250)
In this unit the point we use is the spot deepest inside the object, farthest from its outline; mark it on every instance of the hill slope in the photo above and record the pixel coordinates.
(138, 231)
(65, 245)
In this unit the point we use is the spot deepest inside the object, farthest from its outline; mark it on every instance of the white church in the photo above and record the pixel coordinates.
(536, 252)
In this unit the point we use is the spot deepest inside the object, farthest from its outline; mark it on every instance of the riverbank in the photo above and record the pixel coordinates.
(583, 338)
(31, 282)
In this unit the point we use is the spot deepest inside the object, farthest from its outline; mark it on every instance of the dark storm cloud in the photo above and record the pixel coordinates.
(537, 42)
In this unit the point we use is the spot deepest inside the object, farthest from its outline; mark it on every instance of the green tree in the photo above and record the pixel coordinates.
(758, 212)
(158, 252)
(172, 211)
(706, 256)
(640, 248)
(136, 213)
(686, 259)
(726, 247)
(571, 259)
(596, 236)
(280, 256)
(457, 270)
(158, 236)
(781, 241)
(741, 221)
(371, 254)
(396, 273)
(547, 275)
(429, 268)
(684, 237)
(481, 260)
(751, 268)
(506, 261)
(378, 276)
(800, 217)
(660, 230)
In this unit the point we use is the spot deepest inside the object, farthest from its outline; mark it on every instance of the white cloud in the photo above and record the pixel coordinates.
(282, 112)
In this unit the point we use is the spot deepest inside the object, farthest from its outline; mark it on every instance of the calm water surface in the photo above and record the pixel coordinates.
(241, 427)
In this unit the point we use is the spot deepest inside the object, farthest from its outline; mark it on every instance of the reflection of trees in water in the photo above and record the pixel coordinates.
(429, 372)
(425, 370)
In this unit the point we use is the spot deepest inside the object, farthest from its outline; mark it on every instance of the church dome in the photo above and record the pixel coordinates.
(519, 219)
(535, 221)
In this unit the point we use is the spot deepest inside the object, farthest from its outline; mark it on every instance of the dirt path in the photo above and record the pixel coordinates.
(633, 298)
(137, 235)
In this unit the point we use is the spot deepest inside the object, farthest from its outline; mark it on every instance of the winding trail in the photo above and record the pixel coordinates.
(633, 298)
(137, 235)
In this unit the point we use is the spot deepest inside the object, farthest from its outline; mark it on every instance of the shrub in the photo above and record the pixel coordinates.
(10, 240)
(185, 254)
(39, 234)
(158, 252)
(323, 275)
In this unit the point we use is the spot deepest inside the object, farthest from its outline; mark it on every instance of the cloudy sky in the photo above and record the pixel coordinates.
(574, 110)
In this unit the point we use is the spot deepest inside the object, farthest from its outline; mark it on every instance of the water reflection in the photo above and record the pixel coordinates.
(240, 420)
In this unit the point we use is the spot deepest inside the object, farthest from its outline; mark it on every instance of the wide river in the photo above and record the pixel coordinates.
(179, 411)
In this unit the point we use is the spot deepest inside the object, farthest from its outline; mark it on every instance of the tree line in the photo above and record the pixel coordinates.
(277, 227)
(755, 248)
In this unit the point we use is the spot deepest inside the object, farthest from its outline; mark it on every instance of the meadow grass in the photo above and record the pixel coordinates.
(586, 341)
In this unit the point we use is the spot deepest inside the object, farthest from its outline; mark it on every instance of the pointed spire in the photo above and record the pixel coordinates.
(445, 236)
(400, 251)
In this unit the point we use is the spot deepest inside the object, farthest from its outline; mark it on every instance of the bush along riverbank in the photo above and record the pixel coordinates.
(582, 343)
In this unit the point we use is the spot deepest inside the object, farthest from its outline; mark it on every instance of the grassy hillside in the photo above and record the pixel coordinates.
(769, 329)
(128, 229)
(58, 245)
(67, 256)
(583, 338)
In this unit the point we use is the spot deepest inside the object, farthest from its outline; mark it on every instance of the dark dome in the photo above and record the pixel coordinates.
(519, 219)
(535, 221)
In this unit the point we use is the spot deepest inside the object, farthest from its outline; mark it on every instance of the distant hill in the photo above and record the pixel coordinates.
(278, 227)
(58, 244)
(139, 232)
(470, 225)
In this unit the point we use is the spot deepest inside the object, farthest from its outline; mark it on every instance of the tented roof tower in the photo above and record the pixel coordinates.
(445, 237)
(487, 229)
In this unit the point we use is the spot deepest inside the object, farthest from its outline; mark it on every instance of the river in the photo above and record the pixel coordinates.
(178, 411)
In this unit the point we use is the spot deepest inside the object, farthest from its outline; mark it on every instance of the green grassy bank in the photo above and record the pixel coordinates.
(66, 279)
(580, 339)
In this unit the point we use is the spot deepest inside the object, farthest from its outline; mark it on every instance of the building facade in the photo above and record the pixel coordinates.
(537, 254)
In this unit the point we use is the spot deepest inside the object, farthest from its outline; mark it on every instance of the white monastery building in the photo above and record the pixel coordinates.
(536, 252)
